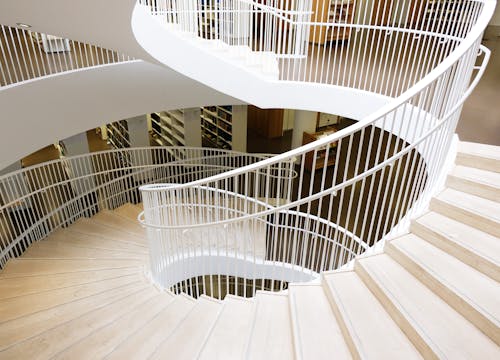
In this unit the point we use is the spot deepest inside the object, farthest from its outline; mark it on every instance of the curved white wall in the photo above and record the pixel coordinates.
(39, 112)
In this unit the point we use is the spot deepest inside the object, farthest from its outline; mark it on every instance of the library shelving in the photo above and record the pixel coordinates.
(224, 127)
(118, 135)
(168, 128)
(338, 12)
(321, 155)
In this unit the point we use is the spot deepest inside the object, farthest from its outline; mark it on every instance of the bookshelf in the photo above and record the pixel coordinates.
(224, 127)
(335, 12)
(320, 154)
(118, 135)
(167, 128)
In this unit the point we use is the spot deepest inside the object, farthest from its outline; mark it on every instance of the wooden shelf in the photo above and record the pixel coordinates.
(217, 126)
(320, 155)
(331, 12)
(168, 128)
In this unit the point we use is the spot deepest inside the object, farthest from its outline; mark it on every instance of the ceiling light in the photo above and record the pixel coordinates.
(23, 25)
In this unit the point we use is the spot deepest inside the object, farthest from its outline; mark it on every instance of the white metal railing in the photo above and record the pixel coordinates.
(40, 199)
(383, 47)
(387, 166)
(26, 55)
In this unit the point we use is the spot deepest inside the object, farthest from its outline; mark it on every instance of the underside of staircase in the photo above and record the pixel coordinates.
(84, 293)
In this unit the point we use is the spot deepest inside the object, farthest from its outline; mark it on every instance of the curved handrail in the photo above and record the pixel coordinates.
(26, 55)
(394, 177)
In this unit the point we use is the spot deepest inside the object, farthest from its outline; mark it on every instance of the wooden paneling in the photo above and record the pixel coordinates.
(266, 122)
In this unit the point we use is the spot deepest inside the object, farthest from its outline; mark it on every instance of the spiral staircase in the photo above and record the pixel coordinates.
(83, 292)
(185, 253)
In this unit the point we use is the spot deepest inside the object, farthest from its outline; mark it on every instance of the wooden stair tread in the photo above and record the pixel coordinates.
(109, 218)
(229, 336)
(474, 181)
(187, 339)
(34, 324)
(19, 306)
(310, 309)
(462, 241)
(35, 267)
(145, 340)
(12, 287)
(102, 341)
(445, 333)
(470, 292)
(271, 335)
(477, 155)
(67, 236)
(88, 226)
(58, 249)
(45, 345)
(129, 211)
(473, 210)
(363, 317)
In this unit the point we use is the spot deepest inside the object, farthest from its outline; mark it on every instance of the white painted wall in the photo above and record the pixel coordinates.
(35, 113)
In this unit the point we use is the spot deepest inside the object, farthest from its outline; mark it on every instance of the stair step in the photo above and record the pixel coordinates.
(472, 210)
(102, 341)
(230, 334)
(469, 292)
(35, 267)
(109, 218)
(19, 306)
(90, 227)
(129, 211)
(433, 326)
(481, 156)
(145, 340)
(67, 236)
(485, 184)
(470, 245)
(51, 342)
(12, 287)
(188, 337)
(61, 250)
(271, 335)
(28, 326)
(310, 309)
(361, 318)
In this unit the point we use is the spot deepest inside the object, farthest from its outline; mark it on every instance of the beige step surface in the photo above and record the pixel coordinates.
(104, 340)
(482, 156)
(186, 341)
(361, 318)
(26, 327)
(35, 267)
(271, 334)
(90, 227)
(109, 218)
(48, 344)
(129, 211)
(67, 236)
(61, 250)
(472, 210)
(229, 336)
(434, 327)
(469, 292)
(12, 287)
(19, 306)
(474, 181)
(315, 330)
(144, 341)
(468, 244)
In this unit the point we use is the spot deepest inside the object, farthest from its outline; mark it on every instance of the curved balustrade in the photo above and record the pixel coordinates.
(382, 47)
(26, 55)
(377, 184)
(37, 200)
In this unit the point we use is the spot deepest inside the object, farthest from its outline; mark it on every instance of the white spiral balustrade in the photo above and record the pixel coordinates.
(37, 200)
(222, 226)
(26, 55)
